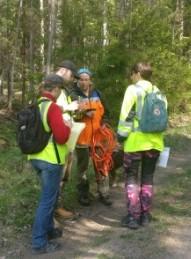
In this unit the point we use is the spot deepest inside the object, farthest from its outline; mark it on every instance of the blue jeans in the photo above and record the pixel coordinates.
(50, 176)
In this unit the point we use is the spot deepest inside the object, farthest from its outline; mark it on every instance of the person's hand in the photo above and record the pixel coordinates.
(68, 123)
(90, 114)
(81, 106)
(118, 145)
(73, 106)
(61, 108)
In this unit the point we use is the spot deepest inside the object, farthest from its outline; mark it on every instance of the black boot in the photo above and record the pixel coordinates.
(83, 189)
(84, 200)
(105, 200)
(130, 222)
(145, 219)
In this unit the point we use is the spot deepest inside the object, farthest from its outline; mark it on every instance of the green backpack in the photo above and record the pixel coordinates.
(152, 115)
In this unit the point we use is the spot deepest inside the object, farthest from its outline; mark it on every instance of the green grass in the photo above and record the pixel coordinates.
(173, 199)
(179, 138)
(18, 185)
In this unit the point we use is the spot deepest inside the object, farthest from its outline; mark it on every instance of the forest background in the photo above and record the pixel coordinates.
(108, 36)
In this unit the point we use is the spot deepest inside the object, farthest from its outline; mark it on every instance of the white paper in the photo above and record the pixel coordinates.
(76, 129)
(163, 158)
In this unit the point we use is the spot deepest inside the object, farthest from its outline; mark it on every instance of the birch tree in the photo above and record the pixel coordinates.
(178, 25)
(42, 49)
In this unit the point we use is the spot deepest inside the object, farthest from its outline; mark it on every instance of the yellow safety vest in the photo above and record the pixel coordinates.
(48, 154)
(135, 139)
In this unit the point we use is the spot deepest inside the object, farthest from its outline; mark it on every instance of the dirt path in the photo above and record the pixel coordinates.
(97, 233)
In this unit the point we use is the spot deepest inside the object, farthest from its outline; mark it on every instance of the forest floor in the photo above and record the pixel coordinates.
(97, 232)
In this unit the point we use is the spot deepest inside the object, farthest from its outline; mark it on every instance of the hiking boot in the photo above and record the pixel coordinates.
(84, 200)
(83, 189)
(105, 200)
(49, 248)
(66, 214)
(130, 222)
(55, 233)
(145, 219)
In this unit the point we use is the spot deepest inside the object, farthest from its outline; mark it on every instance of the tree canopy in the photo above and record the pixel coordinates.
(108, 36)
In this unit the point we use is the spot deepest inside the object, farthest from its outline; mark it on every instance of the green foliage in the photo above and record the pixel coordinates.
(147, 37)
(172, 75)
(18, 185)
(84, 44)
(107, 36)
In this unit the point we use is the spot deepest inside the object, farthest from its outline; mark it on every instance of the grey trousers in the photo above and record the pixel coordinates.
(83, 157)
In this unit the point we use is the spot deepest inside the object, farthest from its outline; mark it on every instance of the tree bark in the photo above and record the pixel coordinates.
(12, 71)
(52, 27)
(23, 55)
(31, 63)
(105, 25)
(42, 33)
(1, 83)
(178, 25)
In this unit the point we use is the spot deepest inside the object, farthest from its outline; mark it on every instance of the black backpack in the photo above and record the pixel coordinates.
(31, 135)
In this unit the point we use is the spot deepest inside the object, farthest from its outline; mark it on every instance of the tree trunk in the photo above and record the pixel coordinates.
(52, 27)
(130, 21)
(181, 19)
(31, 64)
(24, 69)
(1, 83)
(12, 71)
(105, 25)
(178, 25)
(121, 8)
(42, 33)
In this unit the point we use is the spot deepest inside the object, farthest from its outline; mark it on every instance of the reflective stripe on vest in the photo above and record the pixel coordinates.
(124, 127)
(44, 106)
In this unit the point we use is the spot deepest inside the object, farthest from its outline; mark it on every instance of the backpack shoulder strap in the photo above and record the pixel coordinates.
(139, 106)
(140, 102)
(98, 93)
(44, 105)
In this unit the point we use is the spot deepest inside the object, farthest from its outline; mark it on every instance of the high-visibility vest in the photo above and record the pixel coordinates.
(135, 139)
(63, 100)
(48, 154)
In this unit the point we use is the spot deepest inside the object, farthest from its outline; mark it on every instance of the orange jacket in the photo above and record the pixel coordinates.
(94, 122)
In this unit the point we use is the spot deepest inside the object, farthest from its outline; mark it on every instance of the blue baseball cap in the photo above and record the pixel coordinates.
(84, 70)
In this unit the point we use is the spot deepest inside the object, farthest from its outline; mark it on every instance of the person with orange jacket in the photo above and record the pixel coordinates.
(92, 112)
